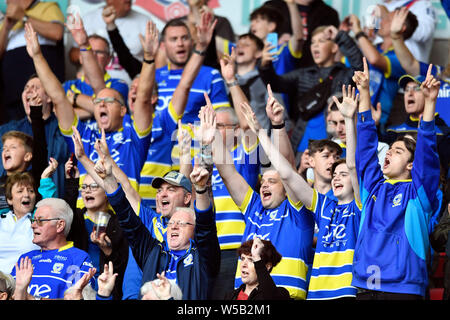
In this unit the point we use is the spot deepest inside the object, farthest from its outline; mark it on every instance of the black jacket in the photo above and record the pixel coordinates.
(299, 81)
(80, 237)
(266, 289)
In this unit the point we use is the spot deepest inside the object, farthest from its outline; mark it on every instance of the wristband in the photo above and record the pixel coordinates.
(360, 34)
(278, 126)
(75, 96)
(149, 61)
(201, 191)
(232, 84)
(201, 53)
(88, 48)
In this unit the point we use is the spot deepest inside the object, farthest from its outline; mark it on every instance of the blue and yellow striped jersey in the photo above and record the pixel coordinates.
(229, 219)
(331, 274)
(127, 146)
(159, 158)
(207, 81)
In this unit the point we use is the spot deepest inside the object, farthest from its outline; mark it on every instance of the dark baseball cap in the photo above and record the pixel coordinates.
(174, 178)
(407, 78)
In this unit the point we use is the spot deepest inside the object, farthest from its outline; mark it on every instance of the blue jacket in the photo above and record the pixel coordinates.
(56, 146)
(393, 241)
(196, 270)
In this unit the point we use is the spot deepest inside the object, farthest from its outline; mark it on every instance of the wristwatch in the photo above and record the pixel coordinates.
(24, 19)
(37, 297)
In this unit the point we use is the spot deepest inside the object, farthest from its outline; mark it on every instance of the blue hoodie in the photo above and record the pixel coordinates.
(392, 246)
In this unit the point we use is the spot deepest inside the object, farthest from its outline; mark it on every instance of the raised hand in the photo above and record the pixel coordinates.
(71, 170)
(257, 248)
(430, 86)
(162, 289)
(24, 273)
(274, 109)
(78, 32)
(33, 47)
(150, 43)
(267, 56)
(205, 30)
(398, 22)
(199, 175)
(107, 280)
(349, 102)
(52, 166)
(207, 128)
(76, 291)
(362, 78)
(184, 143)
(78, 144)
(109, 17)
(250, 116)
(228, 66)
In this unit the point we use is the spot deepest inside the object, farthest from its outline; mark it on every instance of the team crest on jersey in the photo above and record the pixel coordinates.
(57, 267)
(188, 260)
(397, 200)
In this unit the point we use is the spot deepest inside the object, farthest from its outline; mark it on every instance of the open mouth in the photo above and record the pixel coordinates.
(26, 203)
(386, 163)
(174, 235)
(89, 199)
(338, 186)
(164, 204)
(266, 195)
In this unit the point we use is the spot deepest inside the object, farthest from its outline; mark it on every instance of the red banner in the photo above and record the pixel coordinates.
(169, 9)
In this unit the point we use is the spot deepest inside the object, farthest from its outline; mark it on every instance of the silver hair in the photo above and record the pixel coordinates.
(10, 283)
(186, 209)
(175, 291)
(61, 209)
(233, 117)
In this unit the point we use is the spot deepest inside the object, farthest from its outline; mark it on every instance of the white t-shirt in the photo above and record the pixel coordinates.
(129, 27)
(16, 238)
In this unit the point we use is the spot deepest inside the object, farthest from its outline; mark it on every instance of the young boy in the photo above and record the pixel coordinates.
(17, 153)
(391, 251)
(326, 42)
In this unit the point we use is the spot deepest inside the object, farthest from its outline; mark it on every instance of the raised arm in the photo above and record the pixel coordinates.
(430, 88)
(212, 144)
(361, 79)
(296, 41)
(228, 70)
(63, 108)
(143, 108)
(199, 179)
(205, 30)
(296, 187)
(348, 109)
(89, 63)
(126, 59)
(374, 57)
(280, 138)
(406, 58)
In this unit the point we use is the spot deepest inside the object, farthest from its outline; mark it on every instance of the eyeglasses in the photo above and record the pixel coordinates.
(92, 187)
(107, 100)
(415, 89)
(40, 221)
(100, 52)
(225, 125)
(179, 223)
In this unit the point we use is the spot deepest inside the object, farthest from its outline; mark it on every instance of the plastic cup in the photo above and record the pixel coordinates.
(101, 223)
